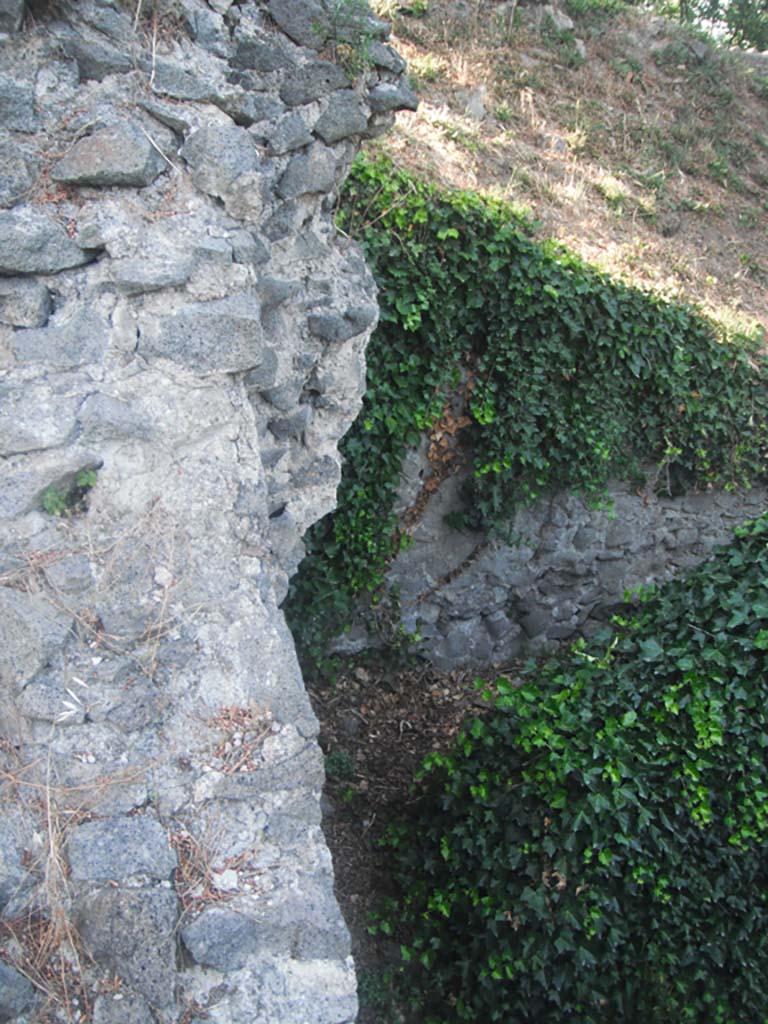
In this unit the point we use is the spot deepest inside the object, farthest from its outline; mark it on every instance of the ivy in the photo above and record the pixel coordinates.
(596, 848)
(570, 378)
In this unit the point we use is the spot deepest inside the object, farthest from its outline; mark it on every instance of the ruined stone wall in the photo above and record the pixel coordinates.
(181, 347)
(477, 603)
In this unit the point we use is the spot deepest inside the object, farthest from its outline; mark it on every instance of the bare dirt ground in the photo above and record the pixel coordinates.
(378, 725)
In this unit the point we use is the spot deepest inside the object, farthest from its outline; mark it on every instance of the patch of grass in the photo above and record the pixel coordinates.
(626, 66)
(615, 194)
(653, 181)
(749, 218)
(700, 205)
(375, 990)
(722, 172)
(595, 12)
(753, 267)
(504, 113)
(564, 42)
(339, 764)
(426, 68)
(461, 137)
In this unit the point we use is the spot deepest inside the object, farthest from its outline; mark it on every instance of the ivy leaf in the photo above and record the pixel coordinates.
(650, 650)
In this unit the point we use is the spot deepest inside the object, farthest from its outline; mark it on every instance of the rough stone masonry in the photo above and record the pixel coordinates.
(181, 347)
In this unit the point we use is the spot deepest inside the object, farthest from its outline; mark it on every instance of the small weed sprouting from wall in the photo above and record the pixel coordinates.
(68, 497)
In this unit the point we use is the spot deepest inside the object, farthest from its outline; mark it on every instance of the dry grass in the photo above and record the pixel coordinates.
(151, 542)
(244, 730)
(48, 953)
(644, 159)
(42, 943)
(200, 877)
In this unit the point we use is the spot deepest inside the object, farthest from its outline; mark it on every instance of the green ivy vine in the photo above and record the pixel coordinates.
(596, 848)
(573, 378)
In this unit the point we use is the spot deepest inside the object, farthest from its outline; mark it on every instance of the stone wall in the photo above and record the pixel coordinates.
(478, 603)
(181, 347)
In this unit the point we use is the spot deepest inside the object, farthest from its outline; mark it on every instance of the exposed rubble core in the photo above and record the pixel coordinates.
(474, 602)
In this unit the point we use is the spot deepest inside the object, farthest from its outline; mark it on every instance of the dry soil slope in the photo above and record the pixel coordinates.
(632, 141)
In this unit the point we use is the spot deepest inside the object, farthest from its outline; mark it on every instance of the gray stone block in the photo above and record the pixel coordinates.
(119, 155)
(226, 937)
(32, 242)
(291, 427)
(95, 59)
(274, 291)
(284, 222)
(335, 327)
(15, 879)
(170, 79)
(132, 932)
(313, 170)
(304, 21)
(104, 418)
(152, 271)
(111, 22)
(263, 377)
(388, 96)
(30, 631)
(620, 534)
(286, 396)
(24, 303)
(254, 53)
(115, 849)
(498, 625)
(508, 647)
(11, 15)
(17, 104)
(536, 622)
(45, 700)
(287, 134)
(77, 341)
(130, 706)
(585, 537)
(466, 642)
(208, 30)
(218, 155)
(344, 116)
(223, 335)
(379, 124)
(172, 117)
(560, 631)
(16, 993)
(210, 249)
(222, 938)
(248, 248)
(384, 56)
(17, 173)
(246, 107)
(122, 1008)
(311, 82)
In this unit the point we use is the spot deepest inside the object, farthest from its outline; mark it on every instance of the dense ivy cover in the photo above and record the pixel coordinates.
(596, 849)
(574, 377)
